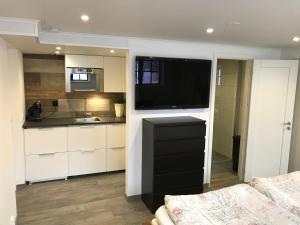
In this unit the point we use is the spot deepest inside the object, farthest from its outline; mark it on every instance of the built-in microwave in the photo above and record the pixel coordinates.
(84, 79)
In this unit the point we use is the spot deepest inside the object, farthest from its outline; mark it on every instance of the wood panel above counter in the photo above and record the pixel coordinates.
(44, 77)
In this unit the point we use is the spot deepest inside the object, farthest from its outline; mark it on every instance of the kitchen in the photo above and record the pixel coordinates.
(69, 123)
(70, 136)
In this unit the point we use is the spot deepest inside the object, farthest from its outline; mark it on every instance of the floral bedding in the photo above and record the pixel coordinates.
(236, 205)
(284, 190)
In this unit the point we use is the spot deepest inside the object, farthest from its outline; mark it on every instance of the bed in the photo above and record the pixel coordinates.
(236, 205)
(284, 190)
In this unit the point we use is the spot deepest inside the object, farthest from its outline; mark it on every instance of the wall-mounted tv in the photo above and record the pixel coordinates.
(172, 83)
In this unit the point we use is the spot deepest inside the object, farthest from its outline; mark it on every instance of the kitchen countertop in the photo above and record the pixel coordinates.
(60, 122)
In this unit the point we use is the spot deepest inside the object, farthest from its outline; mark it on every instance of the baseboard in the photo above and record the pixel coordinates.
(132, 197)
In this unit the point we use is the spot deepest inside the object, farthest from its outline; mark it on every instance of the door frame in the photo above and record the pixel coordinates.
(216, 57)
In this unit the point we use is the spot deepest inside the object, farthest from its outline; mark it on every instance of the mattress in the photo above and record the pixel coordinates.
(236, 205)
(284, 190)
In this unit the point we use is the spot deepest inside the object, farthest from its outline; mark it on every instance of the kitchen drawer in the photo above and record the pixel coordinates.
(46, 166)
(115, 135)
(174, 181)
(171, 147)
(115, 159)
(86, 137)
(179, 132)
(179, 162)
(45, 140)
(87, 161)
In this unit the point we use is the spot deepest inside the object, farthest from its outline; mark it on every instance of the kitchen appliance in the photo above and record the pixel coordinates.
(172, 83)
(84, 79)
(34, 112)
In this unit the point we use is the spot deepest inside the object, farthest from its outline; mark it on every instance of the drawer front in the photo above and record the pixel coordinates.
(116, 136)
(86, 162)
(178, 163)
(87, 137)
(179, 132)
(179, 146)
(46, 167)
(115, 159)
(169, 182)
(45, 140)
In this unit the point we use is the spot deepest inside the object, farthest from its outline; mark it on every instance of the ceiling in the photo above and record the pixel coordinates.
(31, 45)
(268, 23)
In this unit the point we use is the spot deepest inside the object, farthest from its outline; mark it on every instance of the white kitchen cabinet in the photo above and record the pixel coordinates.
(114, 74)
(46, 166)
(86, 137)
(115, 147)
(59, 152)
(45, 140)
(115, 135)
(85, 61)
(86, 162)
(115, 159)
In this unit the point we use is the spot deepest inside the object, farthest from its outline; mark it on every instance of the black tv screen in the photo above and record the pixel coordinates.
(172, 83)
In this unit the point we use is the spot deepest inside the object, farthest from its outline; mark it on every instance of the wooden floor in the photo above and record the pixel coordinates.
(221, 173)
(92, 200)
(97, 199)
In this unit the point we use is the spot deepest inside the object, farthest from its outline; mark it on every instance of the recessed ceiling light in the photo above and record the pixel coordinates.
(112, 51)
(210, 30)
(85, 17)
(296, 39)
(58, 48)
(57, 52)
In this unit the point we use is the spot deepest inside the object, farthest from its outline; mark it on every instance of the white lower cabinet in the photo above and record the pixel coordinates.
(45, 140)
(46, 166)
(88, 137)
(115, 159)
(59, 152)
(87, 161)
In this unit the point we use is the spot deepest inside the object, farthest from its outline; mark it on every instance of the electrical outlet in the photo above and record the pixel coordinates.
(55, 103)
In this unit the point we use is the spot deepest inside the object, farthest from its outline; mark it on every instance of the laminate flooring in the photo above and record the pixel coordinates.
(87, 200)
(96, 199)
(221, 173)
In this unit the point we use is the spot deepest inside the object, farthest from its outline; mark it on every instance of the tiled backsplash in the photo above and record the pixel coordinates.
(45, 81)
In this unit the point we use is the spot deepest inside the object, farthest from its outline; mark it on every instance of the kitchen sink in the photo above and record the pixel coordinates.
(87, 120)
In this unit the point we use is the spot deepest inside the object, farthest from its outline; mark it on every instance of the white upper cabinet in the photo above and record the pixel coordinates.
(85, 61)
(87, 137)
(114, 74)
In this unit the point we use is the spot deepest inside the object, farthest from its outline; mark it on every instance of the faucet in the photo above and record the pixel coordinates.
(86, 114)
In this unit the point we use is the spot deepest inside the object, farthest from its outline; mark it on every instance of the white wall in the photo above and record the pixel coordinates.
(8, 59)
(134, 117)
(294, 162)
(16, 80)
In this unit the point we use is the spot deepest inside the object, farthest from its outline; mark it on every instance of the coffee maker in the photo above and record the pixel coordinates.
(34, 112)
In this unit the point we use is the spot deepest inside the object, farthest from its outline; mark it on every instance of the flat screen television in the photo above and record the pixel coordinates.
(172, 83)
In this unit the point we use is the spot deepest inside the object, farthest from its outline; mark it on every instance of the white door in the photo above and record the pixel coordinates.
(271, 113)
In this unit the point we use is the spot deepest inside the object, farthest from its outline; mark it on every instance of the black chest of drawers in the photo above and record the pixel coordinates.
(172, 158)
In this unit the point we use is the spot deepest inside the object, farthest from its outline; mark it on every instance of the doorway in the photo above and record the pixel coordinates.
(231, 113)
